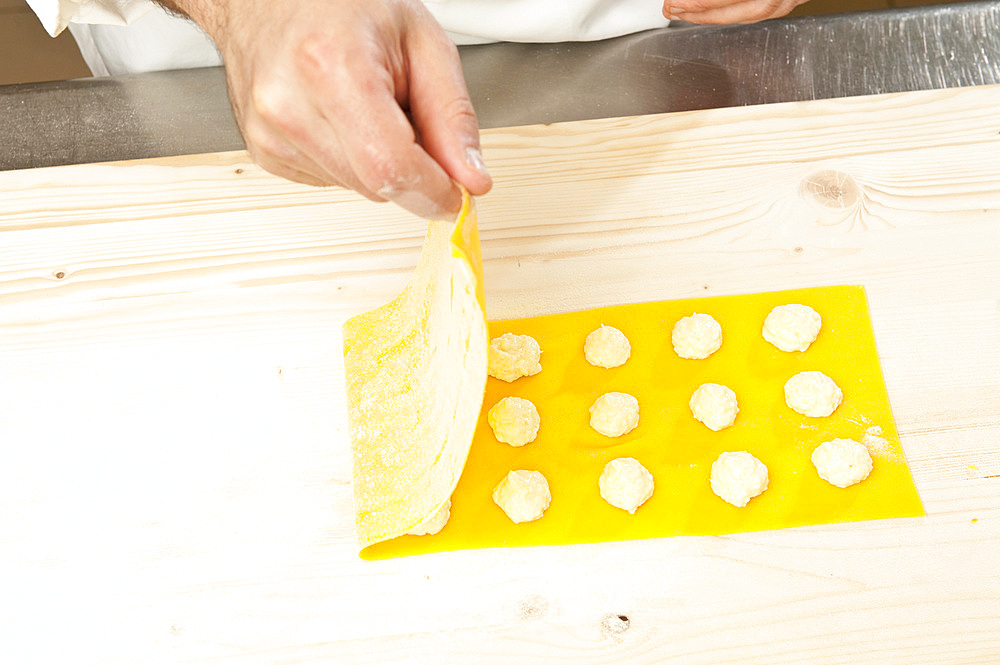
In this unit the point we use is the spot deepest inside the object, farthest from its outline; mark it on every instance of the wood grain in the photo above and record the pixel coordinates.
(175, 482)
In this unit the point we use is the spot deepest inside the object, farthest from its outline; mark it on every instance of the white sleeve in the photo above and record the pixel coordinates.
(479, 21)
(55, 15)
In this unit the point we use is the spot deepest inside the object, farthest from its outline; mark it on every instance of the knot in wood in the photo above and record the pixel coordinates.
(615, 624)
(831, 189)
(532, 607)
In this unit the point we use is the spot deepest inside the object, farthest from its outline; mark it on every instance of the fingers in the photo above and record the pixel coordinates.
(727, 11)
(276, 154)
(288, 137)
(376, 139)
(442, 111)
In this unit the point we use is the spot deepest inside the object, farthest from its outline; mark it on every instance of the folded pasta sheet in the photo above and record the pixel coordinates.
(416, 370)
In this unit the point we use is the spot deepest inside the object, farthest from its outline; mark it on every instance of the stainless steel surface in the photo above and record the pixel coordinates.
(695, 67)
(678, 68)
(126, 117)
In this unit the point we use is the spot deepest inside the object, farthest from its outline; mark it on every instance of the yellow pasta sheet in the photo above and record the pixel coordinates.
(669, 442)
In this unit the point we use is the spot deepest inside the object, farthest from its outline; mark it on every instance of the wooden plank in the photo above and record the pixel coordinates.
(175, 482)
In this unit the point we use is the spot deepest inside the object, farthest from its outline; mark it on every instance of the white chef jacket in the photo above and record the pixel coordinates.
(127, 36)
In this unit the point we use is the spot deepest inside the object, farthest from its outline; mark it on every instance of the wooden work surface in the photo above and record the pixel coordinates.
(175, 478)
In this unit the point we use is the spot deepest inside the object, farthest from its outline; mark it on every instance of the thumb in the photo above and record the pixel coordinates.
(441, 109)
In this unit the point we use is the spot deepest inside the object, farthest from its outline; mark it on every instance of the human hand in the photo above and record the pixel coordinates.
(366, 94)
(727, 11)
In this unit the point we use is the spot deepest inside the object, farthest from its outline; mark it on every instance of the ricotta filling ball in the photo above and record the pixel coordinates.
(614, 414)
(607, 347)
(523, 495)
(813, 394)
(697, 336)
(738, 477)
(514, 421)
(435, 523)
(792, 327)
(842, 462)
(625, 483)
(512, 356)
(714, 405)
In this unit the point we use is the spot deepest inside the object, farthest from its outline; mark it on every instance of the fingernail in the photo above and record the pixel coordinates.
(474, 158)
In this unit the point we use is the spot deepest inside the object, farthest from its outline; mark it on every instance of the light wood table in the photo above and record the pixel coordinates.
(175, 480)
